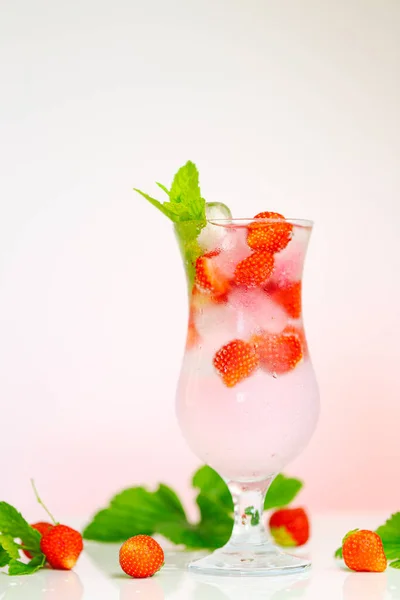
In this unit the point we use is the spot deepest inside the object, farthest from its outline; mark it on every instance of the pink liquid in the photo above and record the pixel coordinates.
(253, 429)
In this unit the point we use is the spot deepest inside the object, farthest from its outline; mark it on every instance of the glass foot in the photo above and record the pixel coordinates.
(266, 560)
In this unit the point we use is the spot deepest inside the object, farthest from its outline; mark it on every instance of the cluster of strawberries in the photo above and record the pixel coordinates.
(141, 556)
(275, 353)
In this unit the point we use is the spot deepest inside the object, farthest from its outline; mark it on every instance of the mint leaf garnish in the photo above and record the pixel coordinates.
(185, 202)
(17, 567)
(395, 564)
(282, 491)
(138, 510)
(187, 209)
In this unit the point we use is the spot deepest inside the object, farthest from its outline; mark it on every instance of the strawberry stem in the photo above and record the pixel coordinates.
(42, 503)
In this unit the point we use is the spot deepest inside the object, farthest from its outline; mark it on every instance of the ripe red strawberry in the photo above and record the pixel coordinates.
(141, 556)
(208, 277)
(290, 526)
(61, 546)
(363, 551)
(235, 361)
(272, 236)
(254, 270)
(290, 298)
(278, 353)
(42, 527)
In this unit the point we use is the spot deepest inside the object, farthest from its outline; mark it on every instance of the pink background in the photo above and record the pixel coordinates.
(288, 106)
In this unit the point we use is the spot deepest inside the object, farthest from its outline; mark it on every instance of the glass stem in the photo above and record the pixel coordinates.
(248, 500)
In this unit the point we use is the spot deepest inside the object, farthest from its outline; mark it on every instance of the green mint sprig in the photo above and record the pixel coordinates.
(13, 529)
(187, 209)
(390, 536)
(137, 510)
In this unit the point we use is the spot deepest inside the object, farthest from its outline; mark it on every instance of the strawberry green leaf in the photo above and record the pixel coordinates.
(339, 553)
(390, 536)
(395, 564)
(13, 523)
(7, 543)
(16, 567)
(282, 491)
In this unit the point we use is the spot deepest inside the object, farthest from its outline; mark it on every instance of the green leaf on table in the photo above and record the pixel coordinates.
(390, 536)
(395, 564)
(7, 543)
(14, 524)
(210, 483)
(17, 567)
(135, 511)
(282, 491)
(4, 558)
(138, 510)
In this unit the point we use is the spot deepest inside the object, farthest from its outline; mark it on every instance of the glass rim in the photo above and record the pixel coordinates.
(243, 222)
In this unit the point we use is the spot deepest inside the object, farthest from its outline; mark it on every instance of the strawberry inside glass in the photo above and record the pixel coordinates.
(247, 398)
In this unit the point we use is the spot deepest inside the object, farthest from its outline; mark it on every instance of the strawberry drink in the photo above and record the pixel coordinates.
(247, 398)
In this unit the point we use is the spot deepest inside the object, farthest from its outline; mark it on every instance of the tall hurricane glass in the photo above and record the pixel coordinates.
(247, 398)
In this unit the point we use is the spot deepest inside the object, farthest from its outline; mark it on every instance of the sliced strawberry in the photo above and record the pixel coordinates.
(235, 361)
(289, 297)
(300, 333)
(272, 236)
(278, 353)
(193, 336)
(209, 277)
(254, 270)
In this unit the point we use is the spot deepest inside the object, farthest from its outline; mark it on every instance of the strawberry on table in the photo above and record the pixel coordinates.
(290, 526)
(61, 546)
(141, 556)
(272, 236)
(278, 353)
(363, 551)
(235, 361)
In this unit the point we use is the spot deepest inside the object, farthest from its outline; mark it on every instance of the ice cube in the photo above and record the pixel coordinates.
(233, 249)
(255, 308)
(211, 236)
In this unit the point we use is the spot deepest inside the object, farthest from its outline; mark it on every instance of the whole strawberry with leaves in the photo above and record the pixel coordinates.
(54, 543)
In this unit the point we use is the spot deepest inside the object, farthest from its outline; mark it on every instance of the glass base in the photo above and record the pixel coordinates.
(264, 560)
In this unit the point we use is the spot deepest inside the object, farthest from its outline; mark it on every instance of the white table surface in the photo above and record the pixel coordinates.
(97, 576)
